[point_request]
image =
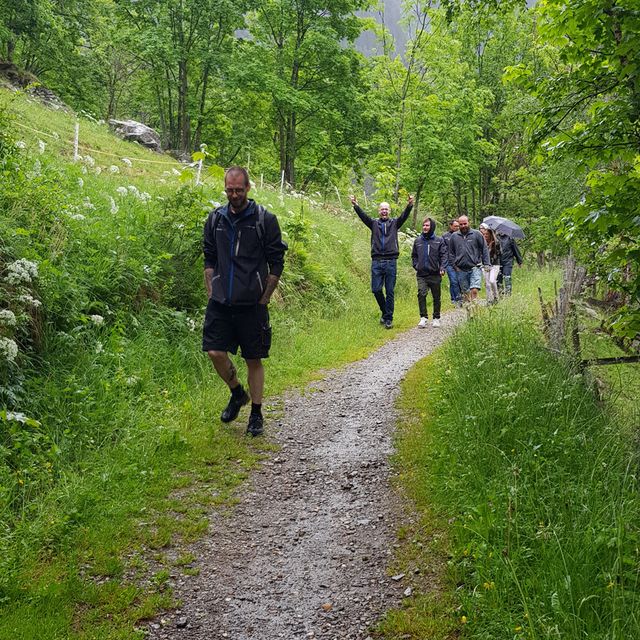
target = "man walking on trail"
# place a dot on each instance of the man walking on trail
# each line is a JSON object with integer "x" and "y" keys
{"x": 429, "y": 258}
{"x": 468, "y": 253}
{"x": 508, "y": 251}
{"x": 243, "y": 261}
{"x": 454, "y": 287}
{"x": 384, "y": 254}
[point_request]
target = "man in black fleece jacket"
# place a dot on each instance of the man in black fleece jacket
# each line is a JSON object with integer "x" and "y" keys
{"x": 384, "y": 254}
{"x": 430, "y": 260}
{"x": 243, "y": 260}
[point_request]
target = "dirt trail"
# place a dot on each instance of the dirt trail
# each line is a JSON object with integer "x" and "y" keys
{"x": 305, "y": 552}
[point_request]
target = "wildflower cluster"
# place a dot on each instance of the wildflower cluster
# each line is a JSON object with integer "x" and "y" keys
{"x": 16, "y": 282}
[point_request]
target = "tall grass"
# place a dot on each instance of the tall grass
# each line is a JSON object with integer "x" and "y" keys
{"x": 532, "y": 483}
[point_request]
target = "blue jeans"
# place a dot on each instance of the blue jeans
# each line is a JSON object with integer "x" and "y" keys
{"x": 454, "y": 287}
{"x": 383, "y": 273}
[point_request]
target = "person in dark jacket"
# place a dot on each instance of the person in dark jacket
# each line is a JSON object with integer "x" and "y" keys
{"x": 454, "y": 287}
{"x": 430, "y": 260}
{"x": 468, "y": 254}
{"x": 508, "y": 252}
{"x": 384, "y": 254}
{"x": 243, "y": 261}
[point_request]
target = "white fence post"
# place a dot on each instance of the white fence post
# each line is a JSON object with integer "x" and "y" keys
{"x": 76, "y": 141}
{"x": 338, "y": 194}
{"x": 199, "y": 172}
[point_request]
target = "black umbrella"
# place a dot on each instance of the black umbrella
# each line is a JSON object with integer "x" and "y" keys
{"x": 504, "y": 226}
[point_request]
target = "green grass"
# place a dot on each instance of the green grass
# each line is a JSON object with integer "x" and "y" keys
{"x": 526, "y": 489}
{"x": 99, "y": 498}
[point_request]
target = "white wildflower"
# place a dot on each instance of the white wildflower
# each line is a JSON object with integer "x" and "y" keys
{"x": 21, "y": 144}
{"x": 122, "y": 191}
{"x": 132, "y": 381}
{"x": 84, "y": 170}
{"x": 162, "y": 181}
{"x": 96, "y": 319}
{"x": 87, "y": 204}
{"x": 90, "y": 161}
{"x": 8, "y": 349}
{"x": 144, "y": 196}
{"x": 21, "y": 271}
{"x": 29, "y": 300}
{"x": 7, "y": 318}
{"x": 99, "y": 347}
{"x": 42, "y": 146}
{"x": 191, "y": 323}
{"x": 146, "y": 268}
{"x": 114, "y": 169}
{"x": 175, "y": 172}
{"x": 76, "y": 216}
{"x": 127, "y": 162}
{"x": 37, "y": 168}
{"x": 80, "y": 182}
{"x": 98, "y": 170}
{"x": 133, "y": 189}
{"x": 114, "y": 206}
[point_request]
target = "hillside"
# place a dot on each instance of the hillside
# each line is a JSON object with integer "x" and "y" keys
{"x": 110, "y": 404}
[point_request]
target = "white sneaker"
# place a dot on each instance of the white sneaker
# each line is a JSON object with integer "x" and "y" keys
{"x": 423, "y": 322}
{"x": 436, "y": 322}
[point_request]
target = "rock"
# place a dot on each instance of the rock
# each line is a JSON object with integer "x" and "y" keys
{"x": 408, "y": 591}
{"x": 137, "y": 132}
{"x": 181, "y": 623}
{"x": 327, "y": 606}
{"x": 397, "y": 577}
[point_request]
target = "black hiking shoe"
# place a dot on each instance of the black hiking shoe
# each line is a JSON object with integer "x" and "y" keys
{"x": 233, "y": 408}
{"x": 388, "y": 324}
{"x": 382, "y": 320}
{"x": 256, "y": 425}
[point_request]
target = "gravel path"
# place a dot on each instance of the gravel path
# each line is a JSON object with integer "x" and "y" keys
{"x": 304, "y": 554}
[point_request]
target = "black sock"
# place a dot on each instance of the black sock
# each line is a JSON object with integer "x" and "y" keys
{"x": 256, "y": 409}
{"x": 237, "y": 392}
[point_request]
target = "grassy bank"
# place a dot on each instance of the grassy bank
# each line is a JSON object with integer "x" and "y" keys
{"x": 526, "y": 489}
{"x": 111, "y": 448}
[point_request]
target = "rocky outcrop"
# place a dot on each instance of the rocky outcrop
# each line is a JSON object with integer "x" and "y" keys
{"x": 16, "y": 79}
{"x": 137, "y": 132}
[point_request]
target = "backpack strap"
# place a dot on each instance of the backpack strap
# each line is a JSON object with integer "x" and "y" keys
{"x": 260, "y": 232}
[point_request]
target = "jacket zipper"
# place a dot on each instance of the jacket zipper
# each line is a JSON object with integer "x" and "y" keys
{"x": 231, "y": 270}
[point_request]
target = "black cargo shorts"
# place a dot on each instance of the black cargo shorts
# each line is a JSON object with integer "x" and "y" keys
{"x": 228, "y": 327}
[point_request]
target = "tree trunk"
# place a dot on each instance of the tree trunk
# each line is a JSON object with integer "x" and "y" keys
{"x": 197, "y": 138}
{"x": 417, "y": 203}
{"x": 184, "y": 124}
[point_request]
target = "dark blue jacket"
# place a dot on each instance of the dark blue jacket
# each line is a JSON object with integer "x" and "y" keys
{"x": 430, "y": 254}
{"x": 240, "y": 254}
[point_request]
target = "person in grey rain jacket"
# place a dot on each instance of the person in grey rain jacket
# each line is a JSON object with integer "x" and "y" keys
{"x": 468, "y": 253}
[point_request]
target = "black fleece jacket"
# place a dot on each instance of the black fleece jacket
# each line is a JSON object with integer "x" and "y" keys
{"x": 240, "y": 259}
{"x": 384, "y": 234}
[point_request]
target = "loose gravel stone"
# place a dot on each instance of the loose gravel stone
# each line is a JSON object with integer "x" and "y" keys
{"x": 305, "y": 552}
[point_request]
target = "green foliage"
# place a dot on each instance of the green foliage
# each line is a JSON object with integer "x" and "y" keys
{"x": 588, "y": 111}
{"x": 534, "y": 482}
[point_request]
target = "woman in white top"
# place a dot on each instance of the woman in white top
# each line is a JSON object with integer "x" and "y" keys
{"x": 491, "y": 274}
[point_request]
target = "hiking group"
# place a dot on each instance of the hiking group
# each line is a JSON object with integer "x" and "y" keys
{"x": 244, "y": 258}
{"x": 463, "y": 253}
